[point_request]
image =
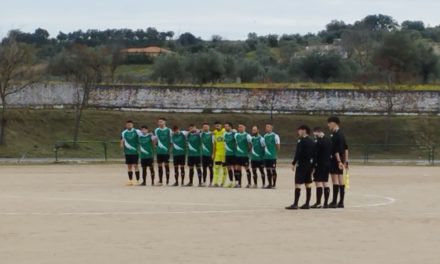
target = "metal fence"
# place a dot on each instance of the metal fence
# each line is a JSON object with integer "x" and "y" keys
{"x": 359, "y": 153}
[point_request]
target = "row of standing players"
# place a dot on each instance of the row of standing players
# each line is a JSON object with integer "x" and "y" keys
{"x": 225, "y": 152}
{"x": 222, "y": 153}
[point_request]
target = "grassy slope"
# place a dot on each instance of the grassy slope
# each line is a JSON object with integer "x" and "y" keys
{"x": 35, "y": 131}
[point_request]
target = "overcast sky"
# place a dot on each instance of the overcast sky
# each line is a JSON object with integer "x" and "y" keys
{"x": 232, "y": 19}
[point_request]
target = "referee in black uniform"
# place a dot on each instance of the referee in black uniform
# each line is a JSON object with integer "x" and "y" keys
{"x": 323, "y": 152}
{"x": 338, "y": 163}
{"x": 303, "y": 166}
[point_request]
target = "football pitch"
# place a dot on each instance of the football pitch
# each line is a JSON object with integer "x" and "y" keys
{"x": 85, "y": 214}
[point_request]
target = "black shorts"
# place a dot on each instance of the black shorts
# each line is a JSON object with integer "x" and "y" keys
{"x": 303, "y": 174}
{"x": 257, "y": 164}
{"x": 242, "y": 161}
{"x": 163, "y": 158}
{"x": 207, "y": 161}
{"x": 131, "y": 159}
{"x": 322, "y": 172}
{"x": 270, "y": 163}
{"x": 179, "y": 160}
{"x": 334, "y": 167}
{"x": 147, "y": 162}
{"x": 230, "y": 161}
{"x": 194, "y": 161}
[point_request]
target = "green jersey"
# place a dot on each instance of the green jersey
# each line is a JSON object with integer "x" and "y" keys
{"x": 271, "y": 140}
{"x": 257, "y": 148}
{"x": 230, "y": 143}
{"x": 242, "y": 144}
{"x": 179, "y": 143}
{"x": 194, "y": 144}
{"x": 163, "y": 136}
{"x": 131, "y": 141}
{"x": 207, "y": 143}
{"x": 146, "y": 142}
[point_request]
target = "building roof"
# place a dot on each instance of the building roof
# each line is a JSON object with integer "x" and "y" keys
{"x": 146, "y": 50}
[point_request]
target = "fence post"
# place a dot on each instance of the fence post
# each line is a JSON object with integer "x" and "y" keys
{"x": 365, "y": 153}
{"x": 105, "y": 150}
{"x": 56, "y": 152}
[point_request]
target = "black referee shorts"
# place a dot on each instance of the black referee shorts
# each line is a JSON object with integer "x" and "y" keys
{"x": 303, "y": 174}
{"x": 334, "y": 167}
{"x": 322, "y": 172}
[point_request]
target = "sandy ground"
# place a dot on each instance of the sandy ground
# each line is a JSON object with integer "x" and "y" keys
{"x": 85, "y": 214}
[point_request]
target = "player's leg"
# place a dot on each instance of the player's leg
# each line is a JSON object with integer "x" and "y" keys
{"x": 130, "y": 174}
{"x": 269, "y": 166}
{"x": 167, "y": 171}
{"x": 217, "y": 171}
{"x": 136, "y": 170}
{"x": 211, "y": 172}
{"x": 248, "y": 173}
{"x": 294, "y": 206}
{"x": 204, "y": 168}
{"x": 160, "y": 163}
{"x": 263, "y": 176}
{"x": 335, "y": 183}
{"x": 144, "y": 172}
{"x": 176, "y": 171}
{"x": 191, "y": 174}
{"x": 326, "y": 194}
{"x": 319, "y": 192}
{"x": 274, "y": 174}
{"x": 237, "y": 175}
{"x": 341, "y": 191}
{"x": 199, "y": 171}
{"x": 254, "y": 166}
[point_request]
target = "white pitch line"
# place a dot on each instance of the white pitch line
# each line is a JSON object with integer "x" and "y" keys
{"x": 389, "y": 201}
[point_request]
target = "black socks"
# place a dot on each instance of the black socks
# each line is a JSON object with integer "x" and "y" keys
{"x": 297, "y": 195}
{"x": 269, "y": 176}
{"x": 318, "y": 194}
{"x": 176, "y": 174}
{"x": 341, "y": 194}
{"x": 326, "y": 195}
{"x": 308, "y": 195}
{"x": 144, "y": 175}
{"x": 167, "y": 172}
{"x": 152, "y": 175}
{"x": 182, "y": 174}
{"x": 237, "y": 175}
{"x": 160, "y": 170}
{"x": 335, "y": 194}
{"x": 130, "y": 175}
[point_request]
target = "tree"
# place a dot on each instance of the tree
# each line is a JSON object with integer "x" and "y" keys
{"x": 206, "y": 67}
{"x": 250, "y": 70}
{"x": 413, "y": 25}
{"x": 116, "y": 58}
{"x": 168, "y": 68}
{"x": 85, "y": 67}
{"x": 17, "y": 72}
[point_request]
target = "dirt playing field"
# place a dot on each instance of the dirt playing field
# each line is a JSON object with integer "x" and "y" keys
{"x": 85, "y": 214}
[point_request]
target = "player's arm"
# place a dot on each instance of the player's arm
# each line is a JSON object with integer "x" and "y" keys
{"x": 297, "y": 154}
{"x": 278, "y": 142}
{"x": 121, "y": 143}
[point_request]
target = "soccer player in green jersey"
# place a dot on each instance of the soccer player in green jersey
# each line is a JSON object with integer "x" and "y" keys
{"x": 194, "y": 154}
{"x": 163, "y": 136}
{"x": 130, "y": 144}
{"x": 272, "y": 142}
{"x": 147, "y": 143}
{"x": 230, "y": 146}
{"x": 243, "y": 146}
{"x": 207, "y": 151}
{"x": 257, "y": 156}
{"x": 179, "y": 153}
